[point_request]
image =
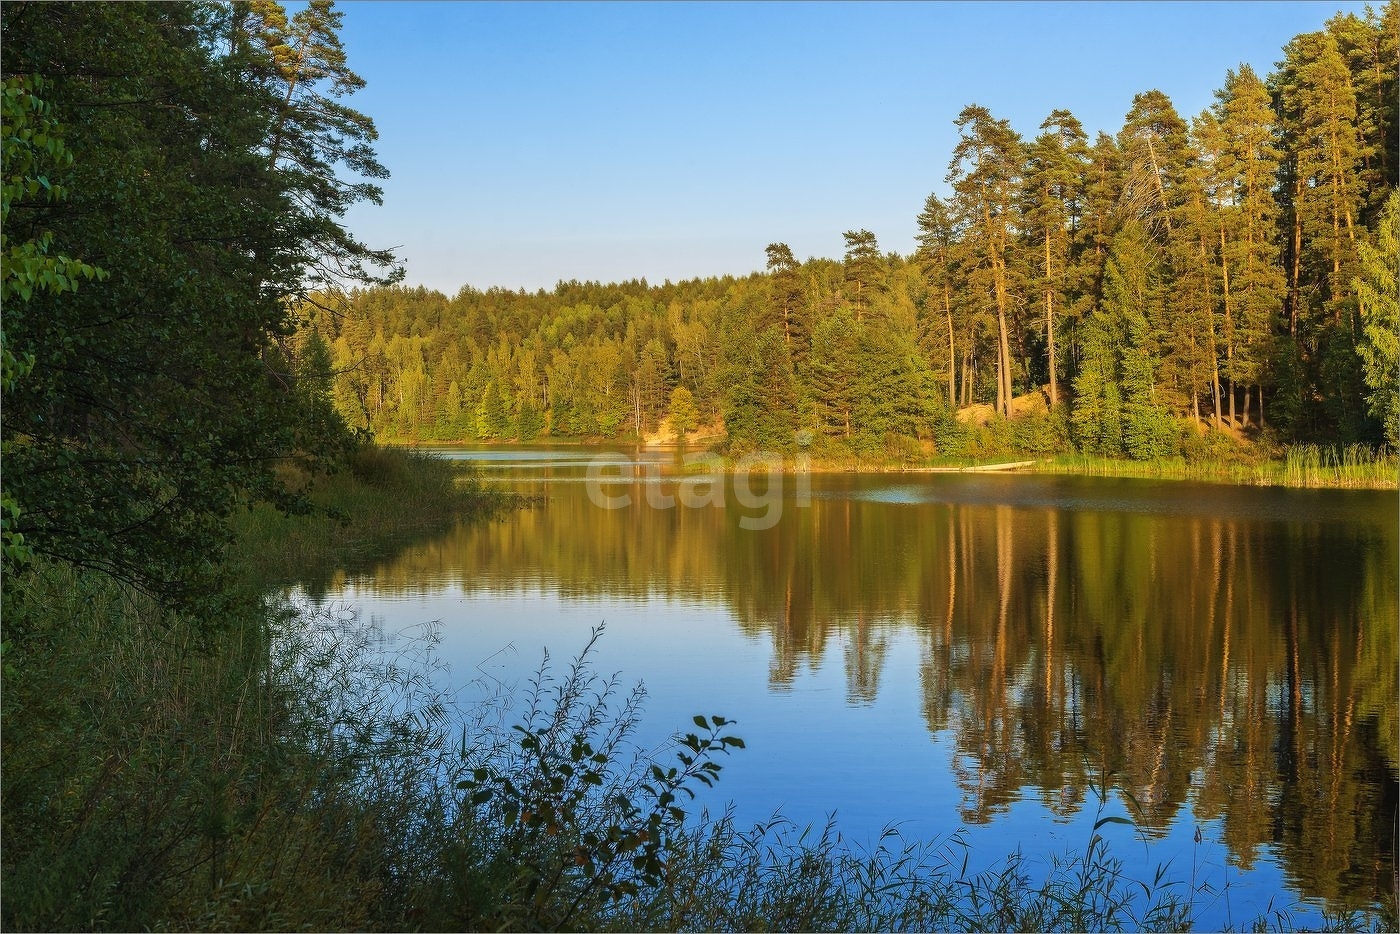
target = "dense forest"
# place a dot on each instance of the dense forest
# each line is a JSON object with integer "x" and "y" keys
{"x": 1153, "y": 293}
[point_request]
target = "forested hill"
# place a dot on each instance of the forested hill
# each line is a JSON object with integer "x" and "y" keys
{"x": 1230, "y": 270}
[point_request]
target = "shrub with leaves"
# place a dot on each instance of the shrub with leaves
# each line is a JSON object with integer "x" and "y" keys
{"x": 571, "y": 824}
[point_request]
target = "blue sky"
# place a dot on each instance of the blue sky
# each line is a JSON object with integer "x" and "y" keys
{"x": 534, "y": 142}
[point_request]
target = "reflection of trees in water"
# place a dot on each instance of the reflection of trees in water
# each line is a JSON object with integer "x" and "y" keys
{"x": 1244, "y": 668}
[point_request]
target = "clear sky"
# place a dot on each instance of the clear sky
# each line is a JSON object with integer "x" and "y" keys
{"x": 534, "y": 142}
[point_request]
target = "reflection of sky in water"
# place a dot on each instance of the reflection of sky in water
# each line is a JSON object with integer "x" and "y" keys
{"x": 1178, "y": 498}
{"x": 813, "y": 746}
{"x": 800, "y": 760}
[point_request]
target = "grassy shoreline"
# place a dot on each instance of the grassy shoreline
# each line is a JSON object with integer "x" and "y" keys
{"x": 1301, "y": 466}
{"x": 382, "y": 501}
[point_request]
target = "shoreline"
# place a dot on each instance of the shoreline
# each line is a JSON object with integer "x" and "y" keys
{"x": 1305, "y": 467}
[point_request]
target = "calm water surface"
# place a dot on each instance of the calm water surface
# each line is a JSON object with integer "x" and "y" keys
{"x": 977, "y": 651}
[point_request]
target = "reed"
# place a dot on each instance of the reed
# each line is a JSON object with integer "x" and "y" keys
{"x": 1303, "y": 466}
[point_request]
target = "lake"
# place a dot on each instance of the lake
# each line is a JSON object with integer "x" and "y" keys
{"x": 977, "y": 651}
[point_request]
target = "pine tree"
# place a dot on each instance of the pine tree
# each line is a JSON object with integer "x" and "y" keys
{"x": 787, "y": 298}
{"x": 1162, "y": 192}
{"x": 1370, "y": 45}
{"x": 1244, "y": 160}
{"x": 1321, "y": 181}
{"x": 1199, "y": 316}
{"x": 314, "y": 139}
{"x": 985, "y": 175}
{"x": 864, "y": 270}
{"x": 1317, "y": 106}
{"x": 1154, "y": 146}
{"x": 1051, "y": 208}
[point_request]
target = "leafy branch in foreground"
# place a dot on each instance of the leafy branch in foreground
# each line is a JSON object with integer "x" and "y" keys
{"x": 578, "y": 832}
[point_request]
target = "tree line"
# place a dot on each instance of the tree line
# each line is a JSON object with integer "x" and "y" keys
{"x": 1227, "y": 273}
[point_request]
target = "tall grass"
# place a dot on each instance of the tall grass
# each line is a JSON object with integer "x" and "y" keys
{"x": 1351, "y": 467}
{"x": 383, "y": 500}
{"x": 157, "y": 776}
{"x": 1302, "y": 466}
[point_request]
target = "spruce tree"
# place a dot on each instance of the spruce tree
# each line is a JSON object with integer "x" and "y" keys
{"x": 1379, "y": 347}
{"x": 833, "y": 372}
{"x": 761, "y": 395}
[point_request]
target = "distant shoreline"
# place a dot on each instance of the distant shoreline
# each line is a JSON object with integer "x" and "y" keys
{"x": 1304, "y": 467}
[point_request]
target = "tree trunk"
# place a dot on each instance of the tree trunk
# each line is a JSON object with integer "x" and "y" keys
{"x": 952, "y": 353}
{"x": 1215, "y": 388}
{"x": 1001, "y": 384}
{"x": 1195, "y": 391}
{"x": 1003, "y": 351}
{"x": 1229, "y": 322}
{"x": 1295, "y": 260}
{"x": 1050, "y": 323}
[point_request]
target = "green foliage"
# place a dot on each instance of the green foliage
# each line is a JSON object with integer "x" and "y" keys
{"x": 864, "y": 272}
{"x": 761, "y": 395}
{"x": 570, "y": 833}
{"x": 162, "y": 398}
{"x": 312, "y": 137}
{"x": 684, "y": 414}
{"x": 32, "y": 147}
{"x": 1380, "y": 316}
{"x": 1041, "y": 434}
{"x": 1116, "y": 410}
{"x": 529, "y": 422}
{"x": 1013, "y": 285}
{"x": 992, "y": 440}
{"x": 491, "y": 420}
